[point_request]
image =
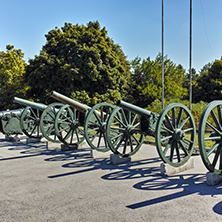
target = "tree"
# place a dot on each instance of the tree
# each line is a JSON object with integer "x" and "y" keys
{"x": 12, "y": 68}
{"x": 80, "y": 62}
{"x": 186, "y": 83}
{"x": 194, "y": 77}
{"x": 147, "y": 80}
{"x": 206, "y": 68}
{"x": 209, "y": 84}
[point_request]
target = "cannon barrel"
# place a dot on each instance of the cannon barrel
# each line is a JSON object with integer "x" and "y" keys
{"x": 66, "y": 100}
{"x": 133, "y": 108}
{"x": 25, "y": 102}
{"x": 74, "y": 104}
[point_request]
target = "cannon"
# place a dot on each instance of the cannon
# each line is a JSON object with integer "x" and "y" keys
{"x": 37, "y": 119}
{"x": 174, "y": 131}
{"x": 210, "y": 136}
{"x": 76, "y": 121}
{"x": 10, "y": 122}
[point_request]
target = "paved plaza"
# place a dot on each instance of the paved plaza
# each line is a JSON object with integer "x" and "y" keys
{"x": 41, "y": 183}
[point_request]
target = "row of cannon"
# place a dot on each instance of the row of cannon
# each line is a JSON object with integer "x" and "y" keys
{"x": 121, "y": 128}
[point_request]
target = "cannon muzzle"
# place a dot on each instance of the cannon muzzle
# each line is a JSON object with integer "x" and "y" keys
{"x": 133, "y": 108}
{"x": 25, "y": 102}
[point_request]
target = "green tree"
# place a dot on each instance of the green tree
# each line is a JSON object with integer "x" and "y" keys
{"x": 209, "y": 84}
{"x": 80, "y": 62}
{"x": 12, "y": 68}
{"x": 147, "y": 80}
{"x": 206, "y": 68}
{"x": 186, "y": 83}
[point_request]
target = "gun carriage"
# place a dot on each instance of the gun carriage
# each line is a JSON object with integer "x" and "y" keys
{"x": 174, "y": 131}
{"x": 76, "y": 121}
{"x": 10, "y": 122}
{"x": 37, "y": 119}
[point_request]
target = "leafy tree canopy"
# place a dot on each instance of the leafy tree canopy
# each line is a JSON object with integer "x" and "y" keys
{"x": 147, "y": 80}
{"x": 80, "y": 62}
{"x": 12, "y": 68}
{"x": 209, "y": 84}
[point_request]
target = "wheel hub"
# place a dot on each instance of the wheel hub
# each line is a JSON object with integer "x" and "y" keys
{"x": 128, "y": 130}
{"x": 37, "y": 121}
{"x": 102, "y": 127}
{"x": 74, "y": 125}
{"x": 179, "y": 134}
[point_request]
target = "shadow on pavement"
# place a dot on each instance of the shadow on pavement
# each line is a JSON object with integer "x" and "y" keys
{"x": 103, "y": 164}
{"x": 190, "y": 183}
{"x": 218, "y": 208}
{"x": 40, "y": 148}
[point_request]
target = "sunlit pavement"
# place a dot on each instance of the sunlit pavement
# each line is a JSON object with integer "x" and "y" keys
{"x": 45, "y": 184}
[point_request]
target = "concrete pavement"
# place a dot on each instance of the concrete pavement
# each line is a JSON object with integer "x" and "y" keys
{"x": 49, "y": 185}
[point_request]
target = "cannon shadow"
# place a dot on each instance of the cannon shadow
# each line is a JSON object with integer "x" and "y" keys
{"x": 40, "y": 148}
{"x": 189, "y": 183}
{"x": 104, "y": 164}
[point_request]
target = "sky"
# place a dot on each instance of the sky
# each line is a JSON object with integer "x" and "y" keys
{"x": 136, "y": 25}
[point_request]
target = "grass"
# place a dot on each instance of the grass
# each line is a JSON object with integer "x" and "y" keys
{"x": 208, "y": 143}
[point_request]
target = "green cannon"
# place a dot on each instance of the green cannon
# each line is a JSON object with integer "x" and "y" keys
{"x": 37, "y": 119}
{"x": 76, "y": 121}
{"x": 174, "y": 131}
{"x": 210, "y": 136}
{"x": 10, "y": 122}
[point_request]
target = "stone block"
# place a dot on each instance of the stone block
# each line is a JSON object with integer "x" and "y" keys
{"x": 213, "y": 179}
{"x": 33, "y": 140}
{"x": 65, "y": 147}
{"x": 115, "y": 159}
{"x": 167, "y": 170}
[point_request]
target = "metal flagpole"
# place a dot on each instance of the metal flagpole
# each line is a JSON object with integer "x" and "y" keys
{"x": 190, "y": 66}
{"x": 162, "y": 54}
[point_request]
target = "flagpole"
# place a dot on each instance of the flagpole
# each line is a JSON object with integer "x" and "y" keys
{"x": 190, "y": 65}
{"x": 162, "y": 54}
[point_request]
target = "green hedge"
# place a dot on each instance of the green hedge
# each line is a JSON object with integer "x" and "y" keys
{"x": 197, "y": 108}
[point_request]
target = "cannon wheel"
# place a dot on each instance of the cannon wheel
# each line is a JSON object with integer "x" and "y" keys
{"x": 95, "y": 126}
{"x": 210, "y": 137}
{"x": 68, "y": 127}
{"x": 123, "y": 132}
{"x": 175, "y": 134}
{"x": 47, "y": 122}
{"x": 30, "y": 121}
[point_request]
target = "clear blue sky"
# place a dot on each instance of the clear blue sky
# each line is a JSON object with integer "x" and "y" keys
{"x": 133, "y": 24}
